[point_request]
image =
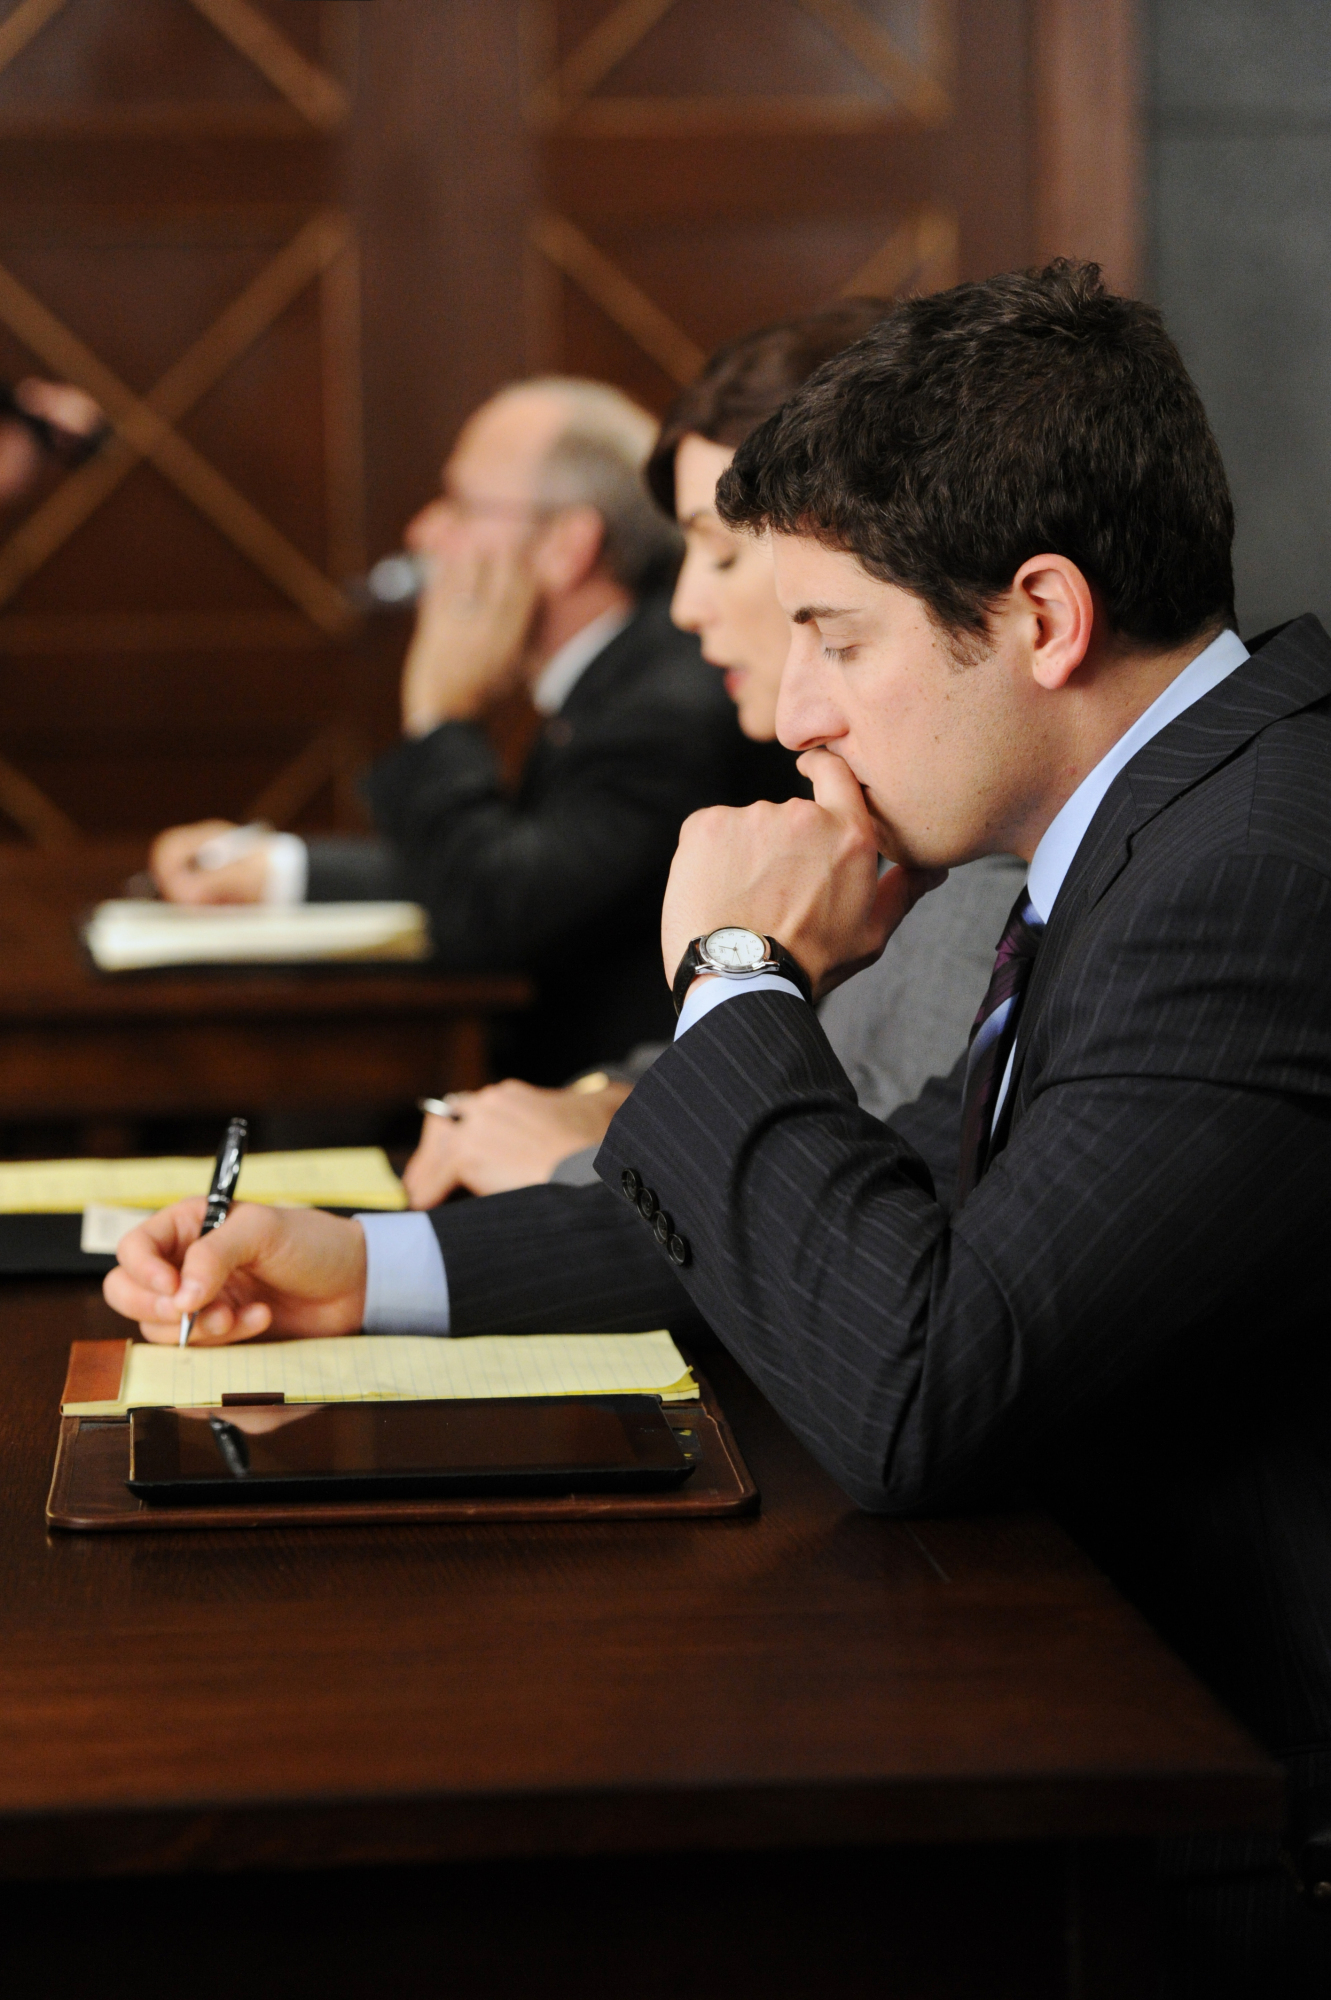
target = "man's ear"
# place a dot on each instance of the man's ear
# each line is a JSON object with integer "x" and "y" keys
{"x": 1055, "y": 602}
{"x": 568, "y": 549}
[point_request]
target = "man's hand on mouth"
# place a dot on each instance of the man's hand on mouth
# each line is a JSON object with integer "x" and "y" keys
{"x": 805, "y": 873}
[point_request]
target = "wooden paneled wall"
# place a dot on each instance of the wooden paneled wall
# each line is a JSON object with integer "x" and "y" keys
{"x": 289, "y": 243}
{"x": 705, "y": 170}
{"x": 282, "y": 241}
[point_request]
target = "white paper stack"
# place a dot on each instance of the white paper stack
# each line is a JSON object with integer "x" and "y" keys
{"x": 128, "y": 936}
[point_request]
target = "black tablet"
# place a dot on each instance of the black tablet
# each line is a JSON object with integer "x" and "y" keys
{"x": 379, "y": 1451}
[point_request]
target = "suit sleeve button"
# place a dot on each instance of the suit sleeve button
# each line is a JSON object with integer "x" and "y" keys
{"x": 663, "y": 1228}
{"x": 647, "y": 1204}
{"x": 630, "y": 1183}
{"x": 678, "y": 1250}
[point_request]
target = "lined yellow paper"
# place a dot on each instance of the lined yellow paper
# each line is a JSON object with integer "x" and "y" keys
{"x": 338, "y": 1177}
{"x": 401, "y": 1367}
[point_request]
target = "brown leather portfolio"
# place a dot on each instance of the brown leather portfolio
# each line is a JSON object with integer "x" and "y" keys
{"x": 88, "y": 1489}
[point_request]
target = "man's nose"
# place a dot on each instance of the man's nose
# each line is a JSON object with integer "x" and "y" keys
{"x": 804, "y": 715}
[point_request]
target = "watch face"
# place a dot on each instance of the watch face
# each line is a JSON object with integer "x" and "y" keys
{"x": 734, "y": 950}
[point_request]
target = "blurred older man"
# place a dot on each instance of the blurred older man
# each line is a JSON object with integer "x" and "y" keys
{"x": 549, "y": 568}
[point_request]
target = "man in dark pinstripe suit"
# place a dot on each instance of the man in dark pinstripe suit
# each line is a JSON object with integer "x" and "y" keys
{"x": 1127, "y": 1312}
{"x": 1092, "y": 1265}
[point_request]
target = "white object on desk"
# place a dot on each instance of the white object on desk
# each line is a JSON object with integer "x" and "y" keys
{"x": 131, "y": 936}
{"x": 104, "y": 1226}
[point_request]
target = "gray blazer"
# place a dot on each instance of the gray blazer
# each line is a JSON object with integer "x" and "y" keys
{"x": 908, "y": 1017}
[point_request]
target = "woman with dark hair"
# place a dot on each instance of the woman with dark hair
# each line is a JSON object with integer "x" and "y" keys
{"x": 903, "y": 1020}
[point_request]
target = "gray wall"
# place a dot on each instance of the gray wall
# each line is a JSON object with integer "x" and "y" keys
{"x": 1239, "y": 235}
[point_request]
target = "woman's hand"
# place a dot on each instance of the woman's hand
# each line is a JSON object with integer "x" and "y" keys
{"x": 509, "y": 1135}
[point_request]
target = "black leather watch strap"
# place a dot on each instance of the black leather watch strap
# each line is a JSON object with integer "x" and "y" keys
{"x": 780, "y": 962}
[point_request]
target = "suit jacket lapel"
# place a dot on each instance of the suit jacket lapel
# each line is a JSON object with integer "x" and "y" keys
{"x": 1291, "y": 671}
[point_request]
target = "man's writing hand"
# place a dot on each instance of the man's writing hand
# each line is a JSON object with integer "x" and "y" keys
{"x": 172, "y": 860}
{"x": 509, "y": 1135}
{"x": 294, "y": 1271}
{"x": 471, "y": 634}
{"x": 804, "y": 873}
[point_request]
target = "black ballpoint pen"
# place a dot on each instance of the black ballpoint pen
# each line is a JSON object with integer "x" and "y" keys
{"x": 226, "y": 1172}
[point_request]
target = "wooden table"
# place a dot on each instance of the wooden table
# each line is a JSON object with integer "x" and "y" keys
{"x": 76, "y": 1043}
{"x": 809, "y": 1752}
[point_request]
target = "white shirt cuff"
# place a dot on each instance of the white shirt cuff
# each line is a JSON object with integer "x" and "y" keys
{"x": 704, "y": 994}
{"x": 406, "y": 1285}
{"x": 288, "y": 869}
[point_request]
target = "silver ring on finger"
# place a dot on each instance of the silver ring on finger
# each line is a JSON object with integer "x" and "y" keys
{"x": 450, "y": 1105}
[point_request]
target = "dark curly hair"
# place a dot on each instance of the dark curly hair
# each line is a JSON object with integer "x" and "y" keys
{"x": 969, "y": 430}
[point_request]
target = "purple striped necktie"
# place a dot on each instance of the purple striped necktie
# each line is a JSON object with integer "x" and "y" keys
{"x": 992, "y": 1037}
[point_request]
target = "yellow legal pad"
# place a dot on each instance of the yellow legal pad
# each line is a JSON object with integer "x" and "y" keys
{"x": 401, "y": 1368}
{"x": 339, "y": 1177}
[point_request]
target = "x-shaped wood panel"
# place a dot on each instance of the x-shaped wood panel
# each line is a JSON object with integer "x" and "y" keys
{"x": 318, "y": 97}
{"x": 622, "y": 301}
{"x": 145, "y": 426}
{"x": 562, "y": 97}
{"x": 919, "y": 256}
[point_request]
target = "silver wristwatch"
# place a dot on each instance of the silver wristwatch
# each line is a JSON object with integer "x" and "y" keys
{"x": 734, "y": 950}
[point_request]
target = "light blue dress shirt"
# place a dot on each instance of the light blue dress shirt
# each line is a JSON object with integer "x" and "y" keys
{"x": 406, "y": 1283}
{"x": 704, "y": 994}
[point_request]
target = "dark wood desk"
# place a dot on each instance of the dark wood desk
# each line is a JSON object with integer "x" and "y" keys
{"x": 75, "y": 1044}
{"x": 812, "y": 1751}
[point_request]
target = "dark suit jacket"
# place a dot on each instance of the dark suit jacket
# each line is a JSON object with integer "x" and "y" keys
{"x": 565, "y": 880}
{"x": 1128, "y": 1317}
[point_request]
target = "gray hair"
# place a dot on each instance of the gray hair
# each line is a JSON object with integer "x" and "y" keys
{"x": 597, "y": 461}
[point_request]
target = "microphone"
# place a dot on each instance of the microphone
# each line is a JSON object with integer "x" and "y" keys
{"x": 394, "y": 583}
